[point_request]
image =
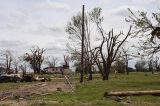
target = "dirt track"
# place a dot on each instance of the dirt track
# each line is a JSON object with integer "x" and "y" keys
{"x": 37, "y": 88}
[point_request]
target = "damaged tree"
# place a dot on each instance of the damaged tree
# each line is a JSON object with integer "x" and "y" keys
{"x": 74, "y": 29}
{"x": 35, "y": 59}
{"x": 126, "y": 58}
{"x": 146, "y": 28}
{"x": 8, "y": 58}
{"x": 110, "y": 43}
{"x": 52, "y": 61}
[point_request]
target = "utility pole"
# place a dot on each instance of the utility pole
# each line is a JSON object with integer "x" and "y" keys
{"x": 82, "y": 48}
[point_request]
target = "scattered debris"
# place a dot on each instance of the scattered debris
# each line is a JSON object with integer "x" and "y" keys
{"x": 119, "y": 99}
{"x": 4, "y": 78}
{"x": 59, "y": 89}
{"x": 10, "y": 78}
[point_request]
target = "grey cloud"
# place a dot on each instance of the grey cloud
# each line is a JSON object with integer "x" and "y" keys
{"x": 123, "y": 10}
{"x": 55, "y": 29}
{"x": 55, "y": 48}
{"x": 146, "y": 2}
{"x": 52, "y": 5}
{"x": 45, "y": 30}
{"x": 10, "y": 43}
{"x": 14, "y": 19}
{"x": 14, "y": 45}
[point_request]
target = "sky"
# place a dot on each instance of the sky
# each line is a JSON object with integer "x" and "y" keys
{"x": 27, "y": 23}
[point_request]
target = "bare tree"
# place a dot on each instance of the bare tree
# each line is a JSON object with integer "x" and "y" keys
{"x": 16, "y": 64}
{"x": 119, "y": 65}
{"x": 23, "y": 65}
{"x": 8, "y": 58}
{"x": 35, "y": 58}
{"x": 126, "y": 57}
{"x": 157, "y": 64}
{"x": 140, "y": 65}
{"x": 150, "y": 65}
{"x": 66, "y": 60}
{"x": 51, "y": 61}
{"x": 23, "y": 68}
{"x": 112, "y": 41}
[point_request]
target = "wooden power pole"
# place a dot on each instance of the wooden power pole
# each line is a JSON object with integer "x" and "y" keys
{"x": 82, "y": 49}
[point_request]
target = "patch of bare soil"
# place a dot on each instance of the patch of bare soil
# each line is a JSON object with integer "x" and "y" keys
{"x": 42, "y": 87}
{"x": 25, "y": 91}
{"x": 25, "y": 102}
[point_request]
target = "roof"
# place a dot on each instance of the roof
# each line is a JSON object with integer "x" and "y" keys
{"x": 53, "y": 67}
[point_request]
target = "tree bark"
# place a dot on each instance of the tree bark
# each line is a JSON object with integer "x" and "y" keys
{"x": 107, "y": 68}
{"x": 90, "y": 73}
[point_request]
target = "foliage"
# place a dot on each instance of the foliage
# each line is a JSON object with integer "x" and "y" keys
{"x": 147, "y": 30}
{"x": 140, "y": 66}
{"x": 119, "y": 65}
{"x": 74, "y": 29}
{"x": 35, "y": 58}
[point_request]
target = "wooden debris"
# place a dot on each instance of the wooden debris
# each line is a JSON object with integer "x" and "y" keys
{"x": 4, "y": 98}
{"x": 41, "y": 94}
{"x": 59, "y": 89}
{"x": 119, "y": 99}
{"x": 70, "y": 84}
{"x": 133, "y": 93}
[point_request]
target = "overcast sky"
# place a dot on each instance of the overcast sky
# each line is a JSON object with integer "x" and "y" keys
{"x": 24, "y": 23}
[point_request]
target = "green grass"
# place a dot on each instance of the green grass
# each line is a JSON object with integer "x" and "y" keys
{"x": 90, "y": 93}
{"x": 7, "y": 86}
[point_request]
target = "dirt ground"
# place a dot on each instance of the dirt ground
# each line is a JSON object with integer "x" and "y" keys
{"x": 20, "y": 93}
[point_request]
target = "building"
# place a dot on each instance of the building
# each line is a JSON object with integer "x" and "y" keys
{"x": 58, "y": 70}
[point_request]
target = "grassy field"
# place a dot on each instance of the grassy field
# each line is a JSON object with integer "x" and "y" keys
{"x": 90, "y": 93}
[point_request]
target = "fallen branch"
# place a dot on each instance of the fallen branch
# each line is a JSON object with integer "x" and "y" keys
{"x": 133, "y": 93}
{"x": 4, "y": 98}
{"x": 41, "y": 94}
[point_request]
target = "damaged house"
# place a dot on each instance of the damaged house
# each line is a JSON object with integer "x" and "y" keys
{"x": 58, "y": 70}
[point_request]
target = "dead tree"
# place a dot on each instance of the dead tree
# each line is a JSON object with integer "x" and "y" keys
{"x": 15, "y": 64}
{"x": 112, "y": 47}
{"x": 51, "y": 61}
{"x": 150, "y": 65}
{"x": 156, "y": 63}
{"x": 8, "y": 59}
{"x": 110, "y": 41}
{"x": 23, "y": 68}
{"x": 126, "y": 58}
{"x": 66, "y": 60}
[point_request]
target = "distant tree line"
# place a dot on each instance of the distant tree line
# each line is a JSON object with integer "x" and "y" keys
{"x": 33, "y": 60}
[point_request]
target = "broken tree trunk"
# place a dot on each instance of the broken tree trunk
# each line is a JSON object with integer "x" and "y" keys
{"x": 133, "y": 93}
